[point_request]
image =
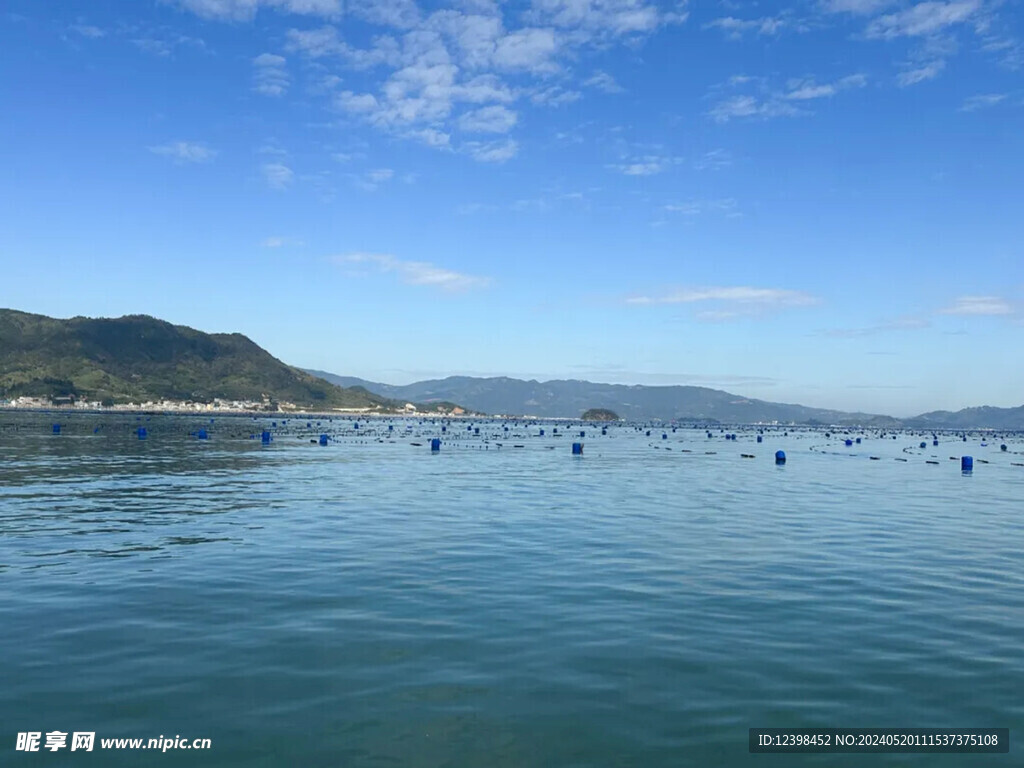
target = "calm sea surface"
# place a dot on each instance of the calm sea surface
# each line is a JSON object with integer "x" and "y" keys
{"x": 370, "y": 604}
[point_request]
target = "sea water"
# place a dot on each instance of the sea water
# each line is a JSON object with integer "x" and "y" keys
{"x": 371, "y": 603}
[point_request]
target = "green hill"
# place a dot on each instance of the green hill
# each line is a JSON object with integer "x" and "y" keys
{"x": 139, "y": 358}
{"x": 599, "y": 414}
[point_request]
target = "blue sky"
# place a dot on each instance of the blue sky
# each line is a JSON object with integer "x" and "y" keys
{"x": 814, "y": 202}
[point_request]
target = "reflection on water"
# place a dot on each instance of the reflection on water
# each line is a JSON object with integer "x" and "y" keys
{"x": 369, "y": 603}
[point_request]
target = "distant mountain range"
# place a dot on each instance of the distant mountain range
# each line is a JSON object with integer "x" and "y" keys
{"x": 139, "y": 358}
{"x": 570, "y": 398}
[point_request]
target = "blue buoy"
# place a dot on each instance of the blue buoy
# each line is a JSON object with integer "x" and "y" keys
{"x": 201, "y": 434}
{"x": 858, "y": 441}
{"x": 56, "y": 429}
{"x": 141, "y": 432}
{"x": 849, "y": 442}
{"x": 966, "y": 463}
{"x": 323, "y": 439}
{"x": 355, "y": 426}
{"x": 923, "y": 445}
{"x": 583, "y": 433}
{"x": 965, "y": 438}
{"x": 391, "y": 427}
{"x": 444, "y": 429}
{"x": 435, "y": 444}
{"x": 935, "y": 442}
{"x": 664, "y": 436}
{"x": 476, "y": 430}
{"x": 604, "y": 431}
{"x": 1002, "y": 447}
{"x": 541, "y": 433}
{"x": 780, "y": 457}
{"x": 648, "y": 433}
{"x": 265, "y": 437}
{"x": 760, "y": 439}
{"x": 577, "y": 449}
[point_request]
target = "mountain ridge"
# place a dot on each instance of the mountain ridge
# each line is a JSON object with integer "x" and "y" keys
{"x": 555, "y": 398}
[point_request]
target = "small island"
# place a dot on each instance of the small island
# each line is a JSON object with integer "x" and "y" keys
{"x": 600, "y": 414}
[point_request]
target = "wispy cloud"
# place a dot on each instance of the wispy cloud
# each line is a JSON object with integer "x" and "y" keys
{"x": 245, "y": 10}
{"x": 726, "y": 205}
{"x": 907, "y": 323}
{"x": 770, "y": 102}
{"x": 415, "y": 272}
{"x": 372, "y": 180}
{"x": 270, "y": 76}
{"x": 735, "y": 28}
{"x": 493, "y": 119}
{"x": 185, "y": 151}
{"x": 280, "y": 242}
{"x": 645, "y": 165}
{"x": 492, "y": 151}
{"x": 923, "y": 19}
{"x": 982, "y": 101}
{"x": 277, "y": 175}
{"x": 729, "y": 302}
{"x": 979, "y": 305}
{"x": 603, "y": 82}
{"x": 713, "y": 160}
{"x": 88, "y": 30}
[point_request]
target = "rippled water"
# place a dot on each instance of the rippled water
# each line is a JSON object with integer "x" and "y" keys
{"x": 370, "y": 604}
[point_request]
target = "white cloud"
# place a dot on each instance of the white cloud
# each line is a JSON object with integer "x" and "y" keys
{"x": 802, "y": 90}
{"x": 415, "y": 272}
{"x": 979, "y": 305}
{"x": 857, "y": 7}
{"x": 425, "y": 69}
{"x": 744, "y": 297}
{"x": 734, "y": 28}
{"x": 372, "y": 180}
{"x": 185, "y": 151}
{"x": 646, "y": 165}
{"x": 752, "y": 107}
{"x": 603, "y": 82}
{"x": 270, "y": 76}
{"x": 713, "y": 160}
{"x": 280, "y": 242}
{"x": 492, "y": 151}
{"x": 726, "y": 205}
{"x": 919, "y": 74}
{"x": 982, "y": 101}
{"x": 87, "y": 30}
{"x": 245, "y": 10}
{"x": 554, "y": 96}
{"x": 493, "y": 119}
{"x": 277, "y": 175}
{"x": 923, "y": 19}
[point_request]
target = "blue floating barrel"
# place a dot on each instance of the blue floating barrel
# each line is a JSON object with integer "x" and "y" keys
{"x": 966, "y": 463}
{"x": 201, "y": 434}
{"x": 391, "y": 427}
{"x": 1002, "y": 447}
{"x": 323, "y": 439}
{"x": 265, "y": 437}
{"x": 583, "y": 433}
{"x": 577, "y": 449}
{"x": 664, "y": 436}
{"x": 760, "y": 439}
{"x": 355, "y": 426}
{"x": 923, "y": 445}
{"x": 648, "y": 433}
{"x": 780, "y": 457}
{"x": 541, "y": 433}
{"x": 273, "y": 423}
{"x": 554, "y": 431}
{"x": 56, "y": 429}
{"x": 935, "y": 442}
{"x": 604, "y": 431}
{"x": 476, "y": 430}
{"x": 141, "y": 432}
{"x": 309, "y": 424}
{"x": 435, "y": 444}
{"x": 848, "y": 442}
{"x": 857, "y": 441}
{"x": 444, "y": 429}
{"x": 709, "y": 434}
{"x": 965, "y": 438}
